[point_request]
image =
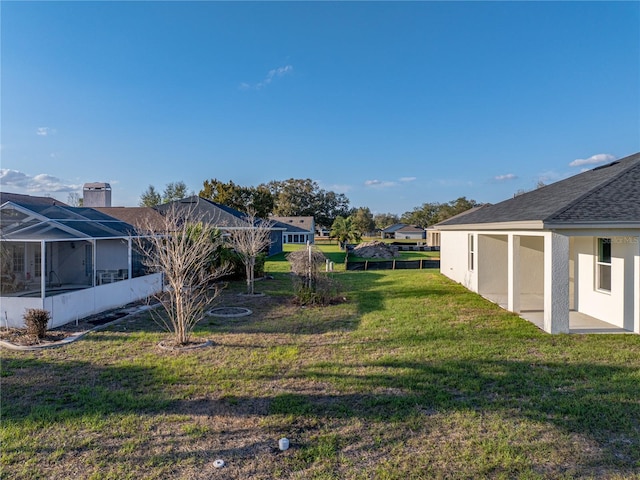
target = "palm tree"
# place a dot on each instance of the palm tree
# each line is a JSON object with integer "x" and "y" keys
{"x": 344, "y": 230}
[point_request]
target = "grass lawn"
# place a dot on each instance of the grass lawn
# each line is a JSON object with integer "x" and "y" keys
{"x": 413, "y": 377}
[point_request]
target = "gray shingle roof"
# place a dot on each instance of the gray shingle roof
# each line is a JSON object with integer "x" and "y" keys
{"x": 201, "y": 209}
{"x": 21, "y": 199}
{"x": 295, "y": 224}
{"x": 610, "y": 193}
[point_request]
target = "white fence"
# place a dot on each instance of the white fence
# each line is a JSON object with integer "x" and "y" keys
{"x": 71, "y": 306}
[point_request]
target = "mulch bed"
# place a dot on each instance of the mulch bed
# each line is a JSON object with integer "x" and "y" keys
{"x": 19, "y": 336}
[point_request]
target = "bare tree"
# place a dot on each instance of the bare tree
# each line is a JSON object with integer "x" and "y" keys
{"x": 185, "y": 251}
{"x": 74, "y": 199}
{"x": 249, "y": 241}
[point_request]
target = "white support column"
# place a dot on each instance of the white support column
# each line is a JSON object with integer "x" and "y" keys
{"x": 129, "y": 258}
{"x": 636, "y": 288}
{"x": 43, "y": 268}
{"x": 556, "y": 283}
{"x": 94, "y": 248}
{"x": 513, "y": 273}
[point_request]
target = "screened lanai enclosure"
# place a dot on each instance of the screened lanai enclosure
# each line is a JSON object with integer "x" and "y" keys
{"x": 73, "y": 262}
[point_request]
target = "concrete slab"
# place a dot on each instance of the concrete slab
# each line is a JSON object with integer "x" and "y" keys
{"x": 531, "y": 309}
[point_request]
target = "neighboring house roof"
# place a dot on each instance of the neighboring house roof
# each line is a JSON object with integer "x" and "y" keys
{"x": 296, "y": 224}
{"x": 142, "y": 218}
{"x": 410, "y": 229}
{"x": 394, "y": 228}
{"x": 58, "y": 222}
{"x": 201, "y": 209}
{"x": 402, "y": 227}
{"x": 606, "y": 194}
{"x": 21, "y": 199}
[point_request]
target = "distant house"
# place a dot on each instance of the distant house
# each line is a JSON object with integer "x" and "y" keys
{"x": 297, "y": 229}
{"x": 223, "y": 217}
{"x": 193, "y": 208}
{"x": 72, "y": 262}
{"x": 402, "y": 231}
{"x": 567, "y": 249}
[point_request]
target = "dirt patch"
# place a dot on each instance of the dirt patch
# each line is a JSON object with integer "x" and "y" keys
{"x": 375, "y": 249}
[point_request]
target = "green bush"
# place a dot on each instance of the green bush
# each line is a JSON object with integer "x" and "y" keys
{"x": 36, "y": 320}
{"x": 323, "y": 290}
{"x": 238, "y": 272}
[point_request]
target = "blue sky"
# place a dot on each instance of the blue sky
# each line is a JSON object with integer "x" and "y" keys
{"x": 393, "y": 104}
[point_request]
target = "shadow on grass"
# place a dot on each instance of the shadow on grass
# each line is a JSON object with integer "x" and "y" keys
{"x": 597, "y": 402}
{"x": 594, "y": 400}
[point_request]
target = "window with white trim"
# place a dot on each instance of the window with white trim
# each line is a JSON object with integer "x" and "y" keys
{"x": 603, "y": 265}
{"x": 472, "y": 252}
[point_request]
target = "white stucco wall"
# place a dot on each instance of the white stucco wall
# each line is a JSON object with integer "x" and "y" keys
{"x": 531, "y": 265}
{"x": 492, "y": 264}
{"x": 618, "y": 306}
{"x": 454, "y": 259}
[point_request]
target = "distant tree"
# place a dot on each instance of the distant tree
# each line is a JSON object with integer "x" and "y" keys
{"x": 329, "y": 206}
{"x": 384, "y": 220}
{"x": 304, "y": 197}
{"x": 174, "y": 191}
{"x": 293, "y": 197}
{"x": 363, "y": 220}
{"x": 454, "y": 207}
{"x": 432, "y": 213}
{"x": 344, "y": 230}
{"x": 423, "y": 216}
{"x": 74, "y": 199}
{"x": 245, "y": 199}
{"x": 150, "y": 197}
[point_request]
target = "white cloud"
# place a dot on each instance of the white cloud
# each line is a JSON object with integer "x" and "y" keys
{"x": 505, "y": 177}
{"x": 593, "y": 160}
{"x": 271, "y": 75}
{"x": 45, "y": 131}
{"x": 337, "y": 188}
{"x": 41, "y": 183}
{"x": 379, "y": 184}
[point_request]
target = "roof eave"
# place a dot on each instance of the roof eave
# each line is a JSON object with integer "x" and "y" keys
{"x": 517, "y": 225}
{"x": 609, "y": 225}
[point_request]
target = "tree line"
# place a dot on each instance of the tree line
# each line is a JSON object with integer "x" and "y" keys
{"x": 304, "y": 197}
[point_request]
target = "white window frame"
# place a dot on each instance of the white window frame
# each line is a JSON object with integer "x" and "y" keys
{"x": 602, "y": 265}
{"x": 471, "y": 244}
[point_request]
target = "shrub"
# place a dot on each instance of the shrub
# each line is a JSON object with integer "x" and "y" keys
{"x": 324, "y": 290}
{"x": 311, "y": 287}
{"x": 37, "y": 320}
{"x": 237, "y": 269}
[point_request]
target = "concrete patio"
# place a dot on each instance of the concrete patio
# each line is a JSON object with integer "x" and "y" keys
{"x": 531, "y": 309}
